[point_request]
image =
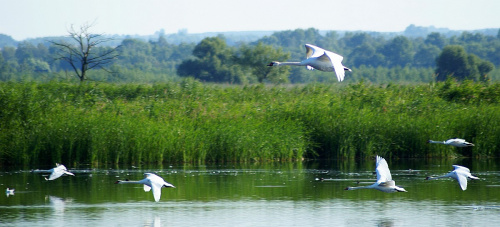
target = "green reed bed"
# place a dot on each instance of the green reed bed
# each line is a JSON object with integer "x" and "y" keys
{"x": 193, "y": 122}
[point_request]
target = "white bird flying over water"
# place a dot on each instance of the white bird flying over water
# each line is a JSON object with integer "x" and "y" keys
{"x": 152, "y": 181}
{"x": 460, "y": 174}
{"x": 320, "y": 59}
{"x": 454, "y": 142}
{"x": 384, "y": 179}
{"x": 58, "y": 171}
{"x": 9, "y": 192}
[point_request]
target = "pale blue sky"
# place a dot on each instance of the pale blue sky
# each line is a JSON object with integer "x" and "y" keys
{"x": 23, "y": 19}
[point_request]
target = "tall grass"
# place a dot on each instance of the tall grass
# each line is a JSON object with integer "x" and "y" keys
{"x": 194, "y": 122}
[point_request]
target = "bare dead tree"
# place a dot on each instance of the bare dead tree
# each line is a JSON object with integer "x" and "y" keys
{"x": 81, "y": 53}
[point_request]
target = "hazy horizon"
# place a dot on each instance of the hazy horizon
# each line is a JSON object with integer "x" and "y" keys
{"x": 35, "y": 19}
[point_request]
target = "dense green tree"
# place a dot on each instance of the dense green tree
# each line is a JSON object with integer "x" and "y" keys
{"x": 398, "y": 51}
{"x": 484, "y": 67}
{"x": 136, "y": 53}
{"x": 9, "y": 53}
{"x": 6, "y": 40}
{"x": 214, "y": 62}
{"x": 455, "y": 62}
{"x": 426, "y": 56}
{"x": 255, "y": 59}
{"x": 24, "y": 51}
{"x": 354, "y": 40}
{"x": 367, "y": 55}
{"x": 435, "y": 39}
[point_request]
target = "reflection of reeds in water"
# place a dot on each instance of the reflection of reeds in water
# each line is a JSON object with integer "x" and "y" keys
{"x": 192, "y": 122}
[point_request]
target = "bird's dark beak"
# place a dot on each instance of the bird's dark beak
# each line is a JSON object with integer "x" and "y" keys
{"x": 270, "y": 64}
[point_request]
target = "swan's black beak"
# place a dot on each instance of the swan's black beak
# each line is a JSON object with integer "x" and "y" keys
{"x": 270, "y": 64}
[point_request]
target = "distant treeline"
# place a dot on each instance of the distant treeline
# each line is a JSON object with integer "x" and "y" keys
{"x": 100, "y": 123}
{"x": 373, "y": 57}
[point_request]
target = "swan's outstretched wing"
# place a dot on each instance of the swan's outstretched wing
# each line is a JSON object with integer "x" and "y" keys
{"x": 68, "y": 173}
{"x": 155, "y": 183}
{"x": 57, "y": 172}
{"x": 336, "y": 61}
{"x": 383, "y": 172}
{"x": 461, "y": 168}
{"x": 455, "y": 141}
{"x": 387, "y": 184}
{"x": 313, "y": 51}
{"x": 462, "y": 180}
{"x": 156, "y": 190}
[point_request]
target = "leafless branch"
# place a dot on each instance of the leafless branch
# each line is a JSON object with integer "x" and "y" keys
{"x": 83, "y": 54}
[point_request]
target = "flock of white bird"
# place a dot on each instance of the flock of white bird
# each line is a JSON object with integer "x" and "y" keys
{"x": 323, "y": 60}
{"x": 151, "y": 182}
{"x": 385, "y": 183}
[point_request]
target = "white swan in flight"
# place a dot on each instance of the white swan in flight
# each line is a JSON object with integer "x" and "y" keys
{"x": 320, "y": 59}
{"x": 9, "y": 192}
{"x": 152, "y": 181}
{"x": 58, "y": 171}
{"x": 454, "y": 142}
{"x": 460, "y": 174}
{"x": 384, "y": 180}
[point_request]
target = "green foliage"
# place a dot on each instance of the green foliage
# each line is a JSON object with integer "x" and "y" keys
{"x": 213, "y": 63}
{"x": 398, "y": 51}
{"x": 255, "y": 59}
{"x": 193, "y": 122}
{"x": 216, "y": 60}
{"x": 455, "y": 62}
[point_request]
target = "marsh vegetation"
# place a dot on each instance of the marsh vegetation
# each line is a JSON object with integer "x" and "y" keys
{"x": 191, "y": 122}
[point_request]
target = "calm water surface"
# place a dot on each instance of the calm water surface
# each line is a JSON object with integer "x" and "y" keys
{"x": 255, "y": 195}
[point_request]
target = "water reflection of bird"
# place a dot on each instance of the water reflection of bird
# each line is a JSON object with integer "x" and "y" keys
{"x": 456, "y": 142}
{"x": 384, "y": 179}
{"x": 58, "y": 204}
{"x": 9, "y": 192}
{"x": 58, "y": 171}
{"x": 320, "y": 59}
{"x": 152, "y": 181}
{"x": 460, "y": 174}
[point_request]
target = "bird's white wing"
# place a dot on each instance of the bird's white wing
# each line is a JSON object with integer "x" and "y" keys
{"x": 383, "y": 172}
{"x": 156, "y": 190}
{"x": 461, "y": 168}
{"x": 462, "y": 180}
{"x": 68, "y": 173}
{"x": 56, "y": 173}
{"x": 455, "y": 141}
{"x": 147, "y": 188}
{"x": 313, "y": 51}
{"x": 156, "y": 183}
{"x": 336, "y": 61}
